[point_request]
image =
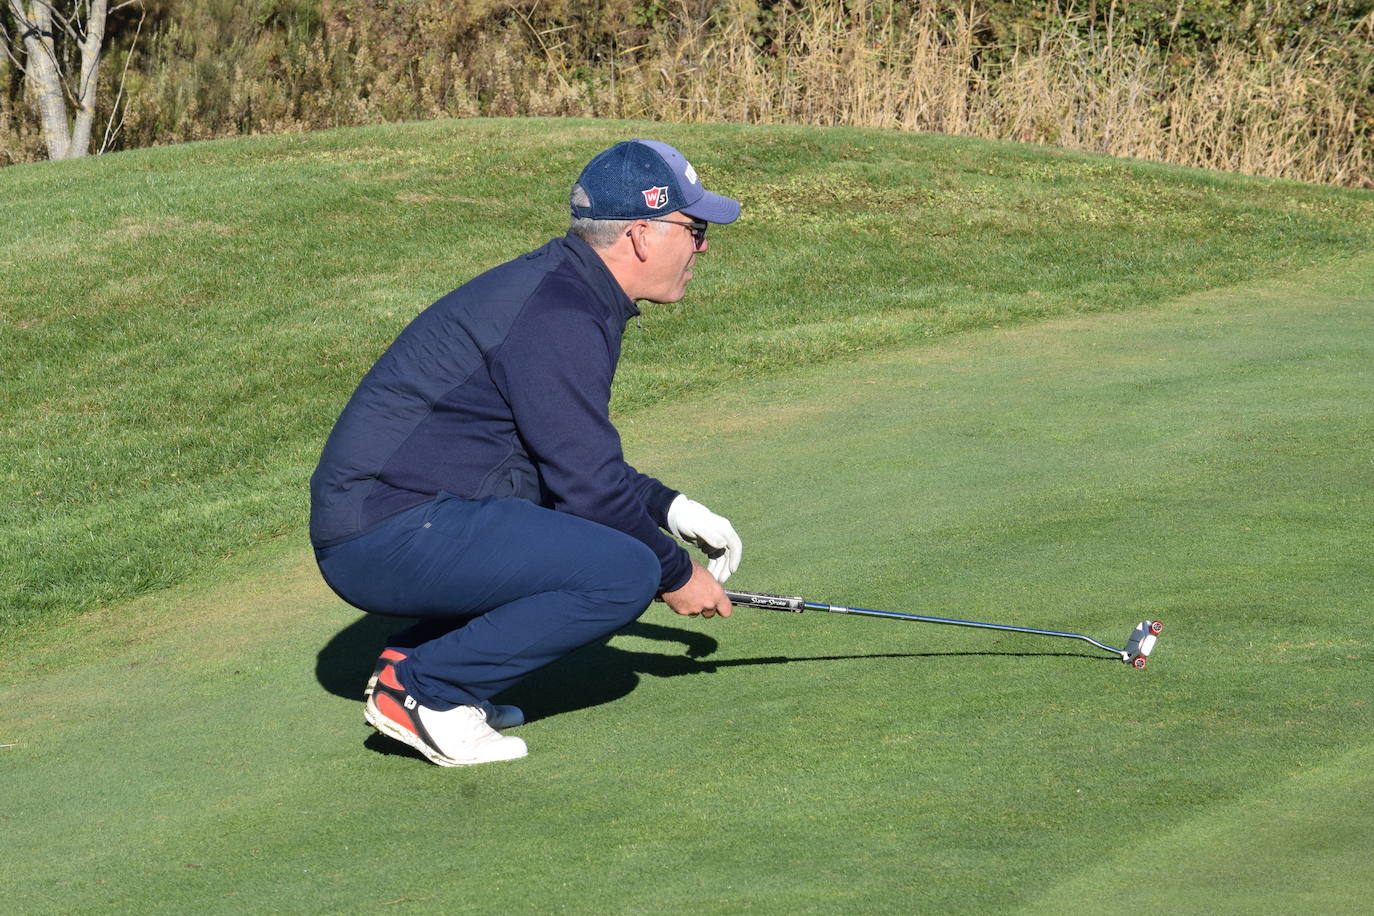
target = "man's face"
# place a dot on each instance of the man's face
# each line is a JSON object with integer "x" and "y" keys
{"x": 675, "y": 253}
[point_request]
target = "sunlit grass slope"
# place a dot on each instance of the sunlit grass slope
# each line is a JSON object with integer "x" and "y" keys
{"x": 1206, "y": 463}
{"x": 182, "y": 325}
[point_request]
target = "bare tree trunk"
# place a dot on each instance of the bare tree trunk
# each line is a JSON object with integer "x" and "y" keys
{"x": 45, "y": 81}
{"x": 91, "y": 47}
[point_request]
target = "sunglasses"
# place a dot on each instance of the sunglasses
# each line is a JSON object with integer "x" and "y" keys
{"x": 696, "y": 227}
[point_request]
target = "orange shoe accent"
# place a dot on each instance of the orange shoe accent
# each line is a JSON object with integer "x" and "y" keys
{"x": 388, "y": 677}
{"x": 393, "y": 711}
{"x": 393, "y": 655}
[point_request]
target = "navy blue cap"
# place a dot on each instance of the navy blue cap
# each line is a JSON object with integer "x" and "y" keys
{"x": 637, "y": 179}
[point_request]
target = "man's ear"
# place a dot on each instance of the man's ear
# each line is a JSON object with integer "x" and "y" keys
{"x": 639, "y": 238}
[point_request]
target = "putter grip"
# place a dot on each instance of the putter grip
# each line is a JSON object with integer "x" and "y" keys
{"x": 767, "y": 602}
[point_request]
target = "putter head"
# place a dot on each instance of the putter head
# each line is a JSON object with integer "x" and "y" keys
{"x": 1141, "y": 643}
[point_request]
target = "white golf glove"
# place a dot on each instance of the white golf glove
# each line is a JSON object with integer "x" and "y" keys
{"x": 693, "y": 522}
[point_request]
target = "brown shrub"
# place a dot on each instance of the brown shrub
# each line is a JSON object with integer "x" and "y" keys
{"x": 211, "y": 68}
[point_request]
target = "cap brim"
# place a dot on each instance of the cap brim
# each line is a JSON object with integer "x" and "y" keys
{"x": 714, "y": 208}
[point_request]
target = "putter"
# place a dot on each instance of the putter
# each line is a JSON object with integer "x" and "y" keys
{"x": 1139, "y": 644}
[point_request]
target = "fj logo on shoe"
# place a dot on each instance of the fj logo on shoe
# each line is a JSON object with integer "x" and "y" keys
{"x": 410, "y": 702}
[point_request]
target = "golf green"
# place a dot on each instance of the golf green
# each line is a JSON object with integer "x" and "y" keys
{"x": 1205, "y": 462}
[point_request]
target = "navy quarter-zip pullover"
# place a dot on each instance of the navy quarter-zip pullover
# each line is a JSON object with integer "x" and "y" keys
{"x": 501, "y": 388}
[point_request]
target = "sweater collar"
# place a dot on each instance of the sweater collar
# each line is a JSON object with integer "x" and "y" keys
{"x": 595, "y": 270}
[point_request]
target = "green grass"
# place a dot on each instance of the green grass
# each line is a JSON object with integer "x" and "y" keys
{"x": 1204, "y": 462}
{"x": 183, "y": 324}
{"x": 1300, "y": 845}
{"x": 943, "y": 392}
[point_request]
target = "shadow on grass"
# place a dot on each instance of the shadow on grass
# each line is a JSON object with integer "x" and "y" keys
{"x": 597, "y": 673}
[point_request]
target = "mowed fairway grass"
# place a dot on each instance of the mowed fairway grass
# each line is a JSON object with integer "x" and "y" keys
{"x": 990, "y": 383}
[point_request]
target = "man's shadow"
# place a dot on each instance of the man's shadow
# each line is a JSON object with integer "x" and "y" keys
{"x": 594, "y": 674}
{"x": 597, "y": 673}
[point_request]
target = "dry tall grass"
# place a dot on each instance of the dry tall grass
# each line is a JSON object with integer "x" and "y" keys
{"x": 1287, "y": 113}
{"x": 1294, "y": 109}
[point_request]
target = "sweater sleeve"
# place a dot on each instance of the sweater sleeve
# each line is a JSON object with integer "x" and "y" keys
{"x": 655, "y": 495}
{"x": 555, "y": 370}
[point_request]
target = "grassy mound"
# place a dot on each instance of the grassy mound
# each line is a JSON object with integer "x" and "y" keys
{"x": 184, "y": 324}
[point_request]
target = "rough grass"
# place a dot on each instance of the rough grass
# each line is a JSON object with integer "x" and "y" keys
{"x": 182, "y": 325}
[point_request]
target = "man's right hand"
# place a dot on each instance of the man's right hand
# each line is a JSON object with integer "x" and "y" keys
{"x": 701, "y": 594}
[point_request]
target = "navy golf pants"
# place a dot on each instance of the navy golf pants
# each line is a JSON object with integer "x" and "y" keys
{"x": 508, "y": 587}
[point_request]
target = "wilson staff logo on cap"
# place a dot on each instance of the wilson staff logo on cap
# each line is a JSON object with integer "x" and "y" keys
{"x": 657, "y": 198}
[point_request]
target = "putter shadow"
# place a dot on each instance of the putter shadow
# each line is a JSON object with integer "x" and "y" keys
{"x": 597, "y": 673}
{"x": 601, "y": 673}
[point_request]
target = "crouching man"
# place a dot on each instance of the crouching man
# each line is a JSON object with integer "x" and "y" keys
{"x": 475, "y": 479}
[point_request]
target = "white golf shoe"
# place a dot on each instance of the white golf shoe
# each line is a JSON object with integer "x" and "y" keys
{"x": 450, "y": 738}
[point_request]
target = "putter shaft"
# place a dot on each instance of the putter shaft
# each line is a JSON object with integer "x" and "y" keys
{"x": 797, "y": 605}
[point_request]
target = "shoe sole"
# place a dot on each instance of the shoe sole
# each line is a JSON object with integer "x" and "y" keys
{"x": 373, "y": 716}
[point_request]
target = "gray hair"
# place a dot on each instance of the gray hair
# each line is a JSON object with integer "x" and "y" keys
{"x": 598, "y": 233}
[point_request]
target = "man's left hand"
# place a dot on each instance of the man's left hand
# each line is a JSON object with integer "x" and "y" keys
{"x": 693, "y": 522}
